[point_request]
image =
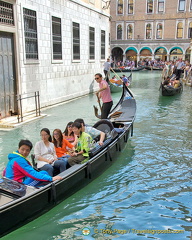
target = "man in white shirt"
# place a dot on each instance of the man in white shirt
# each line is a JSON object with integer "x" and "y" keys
{"x": 107, "y": 66}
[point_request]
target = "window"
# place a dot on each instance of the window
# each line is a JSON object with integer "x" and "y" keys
{"x": 190, "y": 30}
{"x": 102, "y": 44}
{"x": 76, "y": 41}
{"x": 129, "y": 31}
{"x": 159, "y": 31}
{"x": 6, "y": 13}
{"x": 161, "y": 5}
{"x": 57, "y": 39}
{"x": 120, "y": 7}
{"x": 30, "y": 32}
{"x": 148, "y": 31}
{"x": 149, "y": 6}
{"x": 181, "y": 5}
{"x": 119, "y": 32}
{"x": 91, "y": 43}
{"x": 180, "y": 30}
{"x": 191, "y": 6}
{"x": 130, "y": 7}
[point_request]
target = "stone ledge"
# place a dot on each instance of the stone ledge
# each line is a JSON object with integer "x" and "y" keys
{"x": 9, "y": 123}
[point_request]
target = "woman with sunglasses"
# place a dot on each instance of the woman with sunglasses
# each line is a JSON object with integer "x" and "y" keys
{"x": 69, "y": 135}
{"x": 46, "y": 156}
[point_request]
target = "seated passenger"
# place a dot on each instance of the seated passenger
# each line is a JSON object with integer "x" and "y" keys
{"x": 125, "y": 79}
{"x": 93, "y": 132}
{"x": 19, "y": 168}
{"x": 176, "y": 83}
{"x": 46, "y": 156}
{"x": 69, "y": 135}
{"x": 62, "y": 146}
{"x": 82, "y": 149}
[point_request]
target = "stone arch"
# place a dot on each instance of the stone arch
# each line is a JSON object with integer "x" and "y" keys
{"x": 160, "y": 53}
{"x": 175, "y": 53}
{"x": 117, "y": 54}
{"x": 146, "y": 52}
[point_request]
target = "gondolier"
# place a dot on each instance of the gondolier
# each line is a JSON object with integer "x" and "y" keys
{"x": 105, "y": 94}
{"x": 107, "y": 66}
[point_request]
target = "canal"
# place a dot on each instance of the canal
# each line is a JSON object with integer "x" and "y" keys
{"x": 146, "y": 194}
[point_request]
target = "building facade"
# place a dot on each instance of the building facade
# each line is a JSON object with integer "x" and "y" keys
{"x": 153, "y": 29}
{"x": 51, "y": 46}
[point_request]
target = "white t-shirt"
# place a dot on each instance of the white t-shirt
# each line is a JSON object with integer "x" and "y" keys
{"x": 42, "y": 150}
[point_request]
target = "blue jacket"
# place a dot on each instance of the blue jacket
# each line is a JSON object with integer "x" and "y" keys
{"x": 19, "y": 168}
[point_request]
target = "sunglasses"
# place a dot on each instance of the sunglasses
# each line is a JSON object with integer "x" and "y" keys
{"x": 69, "y": 126}
{"x": 96, "y": 78}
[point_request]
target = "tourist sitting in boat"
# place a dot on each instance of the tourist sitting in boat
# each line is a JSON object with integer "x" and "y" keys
{"x": 46, "y": 156}
{"x": 69, "y": 135}
{"x": 96, "y": 134}
{"x": 82, "y": 150}
{"x": 62, "y": 146}
{"x": 19, "y": 168}
{"x": 125, "y": 80}
{"x": 167, "y": 82}
{"x": 176, "y": 83}
{"x": 116, "y": 81}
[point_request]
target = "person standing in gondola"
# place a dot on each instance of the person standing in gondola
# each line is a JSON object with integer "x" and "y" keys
{"x": 107, "y": 66}
{"x": 104, "y": 93}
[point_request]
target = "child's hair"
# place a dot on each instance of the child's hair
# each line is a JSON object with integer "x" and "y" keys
{"x": 77, "y": 125}
{"x": 25, "y": 142}
{"x": 80, "y": 120}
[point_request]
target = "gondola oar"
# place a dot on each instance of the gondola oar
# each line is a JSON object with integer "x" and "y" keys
{"x": 117, "y": 75}
{"x": 96, "y": 109}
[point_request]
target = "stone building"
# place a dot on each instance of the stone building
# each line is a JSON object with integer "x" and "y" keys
{"x": 153, "y": 29}
{"x": 52, "y": 48}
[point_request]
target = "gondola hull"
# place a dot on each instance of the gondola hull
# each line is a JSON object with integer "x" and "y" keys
{"x": 16, "y": 210}
{"x": 127, "y": 70}
{"x": 170, "y": 91}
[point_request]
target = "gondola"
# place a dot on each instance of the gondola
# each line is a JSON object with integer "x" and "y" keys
{"x": 127, "y": 69}
{"x": 116, "y": 86}
{"x": 169, "y": 90}
{"x": 20, "y": 204}
{"x": 153, "y": 68}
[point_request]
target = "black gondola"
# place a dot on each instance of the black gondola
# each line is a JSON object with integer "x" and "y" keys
{"x": 20, "y": 204}
{"x": 127, "y": 69}
{"x": 169, "y": 90}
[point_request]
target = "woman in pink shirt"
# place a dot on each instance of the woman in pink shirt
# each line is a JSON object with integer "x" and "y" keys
{"x": 105, "y": 94}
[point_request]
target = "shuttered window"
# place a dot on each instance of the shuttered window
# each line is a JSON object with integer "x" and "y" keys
{"x": 30, "y": 32}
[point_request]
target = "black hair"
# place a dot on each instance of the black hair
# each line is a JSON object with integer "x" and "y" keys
{"x": 99, "y": 74}
{"x": 80, "y": 120}
{"x": 48, "y": 132}
{"x": 77, "y": 125}
{"x": 66, "y": 132}
{"x": 25, "y": 142}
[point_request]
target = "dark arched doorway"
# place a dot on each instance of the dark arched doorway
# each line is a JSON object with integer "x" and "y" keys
{"x": 117, "y": 55}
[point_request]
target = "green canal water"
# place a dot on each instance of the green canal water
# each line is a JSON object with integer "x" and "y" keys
{"x": 146, "y": 194}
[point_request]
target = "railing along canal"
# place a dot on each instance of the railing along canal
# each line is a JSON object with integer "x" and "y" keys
{"x": 20, "y": 99}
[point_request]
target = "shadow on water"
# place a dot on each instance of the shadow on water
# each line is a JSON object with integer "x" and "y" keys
{"x": 168, "y": 100}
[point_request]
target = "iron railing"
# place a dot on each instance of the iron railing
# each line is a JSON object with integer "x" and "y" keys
{"x": 20, "y": 99}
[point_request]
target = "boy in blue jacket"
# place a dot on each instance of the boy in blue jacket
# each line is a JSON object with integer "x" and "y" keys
{"x": 19, "y": 168}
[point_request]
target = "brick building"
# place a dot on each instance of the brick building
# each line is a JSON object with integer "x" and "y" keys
{"x": 51, "y": 46}
{"x": 154, "y": 29}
